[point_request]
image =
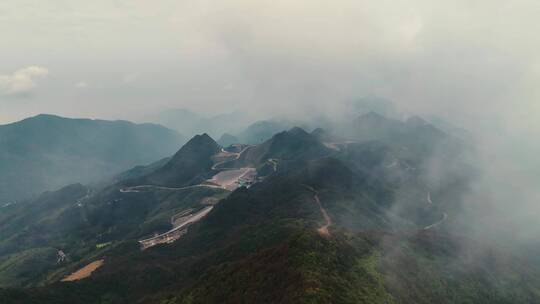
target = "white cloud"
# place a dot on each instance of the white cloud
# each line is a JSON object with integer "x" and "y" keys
{"x": 130, "y": 78}
{"x": 81, "y": 85}
{"x": 21, "y": 81}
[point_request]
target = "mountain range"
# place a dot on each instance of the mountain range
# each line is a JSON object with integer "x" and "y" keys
{"x": 47, "y": 152}
{"x": 348, "y": 215}
{"x": 191, "y": 123}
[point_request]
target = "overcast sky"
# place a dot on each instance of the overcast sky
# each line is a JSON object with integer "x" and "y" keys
{"x": 472, "y": 60}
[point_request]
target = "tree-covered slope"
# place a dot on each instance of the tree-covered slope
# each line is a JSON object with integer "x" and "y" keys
{"x": 191, "y": 164}
{"x": 364, "y": 223}
{"x": 47, "y": 152}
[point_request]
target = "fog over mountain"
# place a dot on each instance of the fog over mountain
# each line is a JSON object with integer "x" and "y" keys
{"x": 47, "y": 152}
{"x": 402, "y": 103}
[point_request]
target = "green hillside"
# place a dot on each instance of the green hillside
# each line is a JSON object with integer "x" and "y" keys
{"x": 47, "y": 152}
{"x": 324, "y": 222}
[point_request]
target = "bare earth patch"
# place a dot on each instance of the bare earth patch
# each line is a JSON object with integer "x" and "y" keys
{"x": 323, "y": 230}
{"x": 231, "y": 179}
{"x": 84, "y": 272}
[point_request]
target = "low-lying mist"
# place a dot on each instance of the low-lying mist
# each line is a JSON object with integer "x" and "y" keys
{"x": 474, "y": 65}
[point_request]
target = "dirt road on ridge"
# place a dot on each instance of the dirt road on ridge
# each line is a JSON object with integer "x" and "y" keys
{"x": 323, "y": 230}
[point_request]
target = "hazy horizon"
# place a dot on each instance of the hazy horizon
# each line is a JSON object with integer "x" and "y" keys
{"x": 116, "y": 59}
{"x": 475, "y": 64}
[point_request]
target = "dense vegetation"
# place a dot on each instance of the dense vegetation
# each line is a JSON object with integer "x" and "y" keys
{"x": 190, "y": 165}
{"x": 47, "y": 152}
{"x": 261, "y": 244}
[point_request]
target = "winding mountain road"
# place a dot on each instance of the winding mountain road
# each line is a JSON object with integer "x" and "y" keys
{"x": 176, "y": 232}
{"x": 7, "y": 205}
{"x": 393, "y": 164}
{"x": 141, "y": 188}
{"x": 79, "y": 202}
{"x": 238, "y": 155}
{"x": 444, "y": 216}
{"x": 274, "y": 163}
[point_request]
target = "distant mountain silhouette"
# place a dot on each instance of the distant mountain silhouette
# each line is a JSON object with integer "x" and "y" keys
{"x": 227, "y": 139}
{"x": 191, "y": 123}
{"x": 263, "y": 130}
{"x": 46, "y": 152}
{"x": 293, "y": 144}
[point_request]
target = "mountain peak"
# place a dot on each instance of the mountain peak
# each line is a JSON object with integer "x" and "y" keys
{"x": 372, "y": 116}
{"x": 298, "y": 131}
{"x": 318, "y": 131}
{"x": 190, "y": 164}
{"x": 41, "y": 118}
{"x": 45, "y": 116}
{"x": 202, "y": 138}
{"x": 227, "y": 140}
{"x": 295, "y": 133}
{"x": 199, "y": 143}
{"x": 293, "y": 144}
{"x": 416, "y": 121}
{"x": 374, "y": 120}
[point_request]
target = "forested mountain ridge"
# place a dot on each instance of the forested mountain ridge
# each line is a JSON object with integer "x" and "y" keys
{"x": 47, "y": 152}
{"x": 322, "y": 217}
